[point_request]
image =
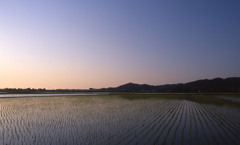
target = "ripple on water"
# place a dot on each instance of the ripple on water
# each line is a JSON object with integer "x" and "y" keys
{"x": 113, "y": 120}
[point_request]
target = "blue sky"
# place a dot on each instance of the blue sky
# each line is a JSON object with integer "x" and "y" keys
{"x": 87, "y": 43}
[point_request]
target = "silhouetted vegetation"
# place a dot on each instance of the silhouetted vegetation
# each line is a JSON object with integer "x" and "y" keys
{"x": 200, "y": 86}
{"x": 36, "y": 91}
{"x": 218, "y": 85}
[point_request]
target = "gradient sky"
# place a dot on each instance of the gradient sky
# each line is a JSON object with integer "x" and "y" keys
{"x": 101, "y": 43}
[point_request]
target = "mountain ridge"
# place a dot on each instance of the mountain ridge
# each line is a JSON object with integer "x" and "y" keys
{"x": 231, "y": 84}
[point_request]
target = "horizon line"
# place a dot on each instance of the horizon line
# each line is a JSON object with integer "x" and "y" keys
{"x": 43, "y": 88}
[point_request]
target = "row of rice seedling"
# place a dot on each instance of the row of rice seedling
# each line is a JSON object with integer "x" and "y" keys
{"x": 205, "y": 133}
{"x": 208, "y": 128}
{"x": 195, "y": 127}
{"x": 227, "y": 117}
{"x": 113, "y": 120}
{"x": 140, "y": 123}
{"x": 145, "y": 127}
{"x": 163, "y": 124}
{"x": 169, "y": 132}
{"x": 152, "y": 134}
{"x": 201, "y": 125}
{"x": 229, "y": 132}
{"x": 180, "y": 125}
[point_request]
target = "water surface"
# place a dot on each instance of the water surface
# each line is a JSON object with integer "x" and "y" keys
{"x": 114, "y": 119}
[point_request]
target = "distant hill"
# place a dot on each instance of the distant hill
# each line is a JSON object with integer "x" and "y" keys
{"x": 214, "y": 85}
{"x": 231, "y": 85}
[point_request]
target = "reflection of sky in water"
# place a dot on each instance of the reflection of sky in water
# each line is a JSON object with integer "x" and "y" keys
{"x": 44, "y": 95}
{"x": 113, "y": 120}
{"x": 233, "y": 99}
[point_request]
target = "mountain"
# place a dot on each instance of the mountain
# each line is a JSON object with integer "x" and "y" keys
{"x": 131, "y": 87}
{"x": 214, "y": 85}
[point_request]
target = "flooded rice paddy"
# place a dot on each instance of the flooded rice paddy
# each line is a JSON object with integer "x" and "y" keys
{"x": 112, "y": 119}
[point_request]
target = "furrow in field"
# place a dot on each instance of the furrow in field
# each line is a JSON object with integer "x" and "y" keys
{"x": 227, "y": 133}
{"x": 178, "y": 136}
{"x": 224, "y": 117}
{"x": 219, "y": 128}
{"x": 214, "y": 134}
{"x": 186, "y": 132}
{"x": 158, "y": 135}
{"x": 152, "y": 135}
{"x": 141, "y": 132}
{"x": 194, "y": 140}
{"x": 207, "y": 127}
{"x": 173, "y": 126}
{"x": 99, "y": 121}
{"x": 202, "y": 138}
{"x": 178, "y": 128}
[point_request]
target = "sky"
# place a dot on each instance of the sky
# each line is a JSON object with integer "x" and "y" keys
{"x": 81, "y": 44}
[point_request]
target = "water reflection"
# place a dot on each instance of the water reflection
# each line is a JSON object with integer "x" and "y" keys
{"x": 222, "y": 100}
{"x": 46, "y": 95}
{"x": 115, "y": 120}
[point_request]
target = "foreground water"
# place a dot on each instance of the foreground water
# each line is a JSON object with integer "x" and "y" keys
{"x": 116, "y": 120}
